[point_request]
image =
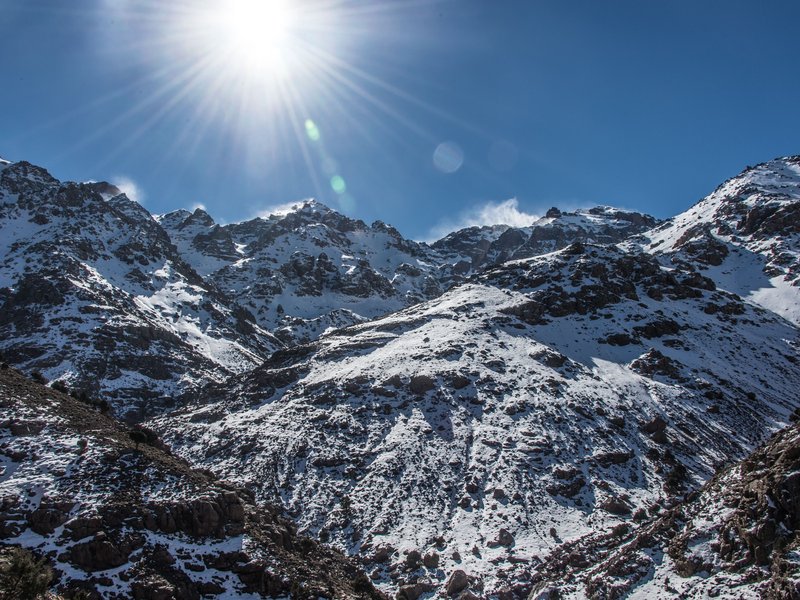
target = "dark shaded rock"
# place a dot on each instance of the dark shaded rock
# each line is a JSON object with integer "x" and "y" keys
{"x": 504, "y": 538}
{"x": 103, "y": 553}
{"x": 457, "y": 582}
{"x": 654, "y": 425}
{"x": 412, "y": 591}
{"x": 431, "y": 560}
{"x": 658, "y": 328}
{"x": 653, "y": 363}
{"x": 606, "y": 459}
{"x": 421, "y": 383}
{"x": 615, "y": 506}
{"x": 619, "y": 339}
{"x": 45, "y": 519}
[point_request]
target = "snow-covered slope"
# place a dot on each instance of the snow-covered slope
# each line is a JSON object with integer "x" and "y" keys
{"x": 545, "y": 399}
{"x": 734, "y": 539}
{"x": 745, "y": 236}
{"x": 119, "y": 517}
{"x": 93, "y": 292}
{"x": 307, "y": 269}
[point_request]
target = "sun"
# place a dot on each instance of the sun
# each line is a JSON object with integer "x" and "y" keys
{"x": 259, "y": 34}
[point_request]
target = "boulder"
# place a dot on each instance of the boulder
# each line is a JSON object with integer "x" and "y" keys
{"x": 457, "y": 582}
{"x": 422, "y": 383}
{"x": 412, "y": 591}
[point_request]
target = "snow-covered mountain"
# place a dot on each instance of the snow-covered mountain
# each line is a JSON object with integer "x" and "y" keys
{"x": 307, "y": 269}
{"x": 142, "y": 310}
{"x": 453, "y": 413}
{"x": 94, "y": 293}
{"x": 547, "y": 398}
{"x": 118, "y": 516}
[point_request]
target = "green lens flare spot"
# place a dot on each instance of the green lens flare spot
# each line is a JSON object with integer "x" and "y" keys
{"x": 338, "y": 184}
{"x": 312, "y": 131}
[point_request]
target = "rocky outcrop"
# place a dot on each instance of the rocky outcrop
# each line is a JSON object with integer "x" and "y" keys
{"x": 117, "y": 511}
{"x": 737, "y": 534}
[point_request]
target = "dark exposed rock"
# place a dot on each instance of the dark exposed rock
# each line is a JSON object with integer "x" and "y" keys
{"x": 654, "y": 363}
{"x": 457, "y": 582}
{"x": 504, "y": 538}
{"x": 45, "y": 519}
{"x": 412, "y": 591}
{"x": 607, "y": 459}
{"x": 658, "y": 328}
{"x": 422, "y": 383}
{"x": 102, "y": 552}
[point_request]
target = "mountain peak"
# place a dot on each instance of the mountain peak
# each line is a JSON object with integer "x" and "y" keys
{"x": 200, "y": 217}
{"x": 105, "y": 189}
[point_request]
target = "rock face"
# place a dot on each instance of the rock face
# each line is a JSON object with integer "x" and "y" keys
{"x": 735, "y": 538}
{"x": 126, "y": 522}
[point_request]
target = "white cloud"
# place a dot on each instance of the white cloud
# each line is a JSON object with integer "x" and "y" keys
{"x": 506, "y": 212}
{"x": 129, "y": 187}
{"x": 279, "y": 209}
{"x": 197, "y": 205}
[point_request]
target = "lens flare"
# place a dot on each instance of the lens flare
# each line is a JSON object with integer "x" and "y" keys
{"x": 448, "y": 157}
{"x": 261, "y": 79}
{"x": 338, "y": 185}
{"x": 312, "y": 131}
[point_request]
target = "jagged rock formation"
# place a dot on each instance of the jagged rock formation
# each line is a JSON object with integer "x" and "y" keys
{"x": 118, "y": 516}
{"x": 308, "y": 269}
{"x": 735, "y": 538}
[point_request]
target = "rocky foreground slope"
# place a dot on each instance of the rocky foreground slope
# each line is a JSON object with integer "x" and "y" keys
{"x": 734, "y": 538}
{"x": 117, "y": 515}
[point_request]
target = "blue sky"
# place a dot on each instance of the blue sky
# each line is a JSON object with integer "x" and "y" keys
{"x": 642, "y": 105}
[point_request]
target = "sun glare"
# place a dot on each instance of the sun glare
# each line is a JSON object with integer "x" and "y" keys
{"x": 270, "y": 74}
{"x": 258, "y": 33}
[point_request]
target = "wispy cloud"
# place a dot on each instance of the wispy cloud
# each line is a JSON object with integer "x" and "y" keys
{"x": 197, "y": 205}
{"x": 129, "y": 187}
{"x": 506, "y": 212}
{"x": 279, "y": 209}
